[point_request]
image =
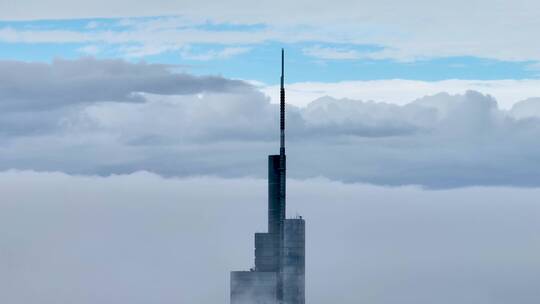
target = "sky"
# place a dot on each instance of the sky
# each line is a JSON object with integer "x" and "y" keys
{"x": 130, "y": 131}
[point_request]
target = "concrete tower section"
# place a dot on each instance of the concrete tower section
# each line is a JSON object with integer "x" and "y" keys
{"x": 279, "y": 273}
{"x": 253, "y": 287}
{"x": 276, "y": 206}
{"x": 294, "y": 261}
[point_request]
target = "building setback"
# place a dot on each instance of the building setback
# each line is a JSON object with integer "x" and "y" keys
{"x": 279, "y": 273}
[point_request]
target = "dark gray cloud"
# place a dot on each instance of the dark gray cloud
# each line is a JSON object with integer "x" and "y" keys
{"x": 183, "y": 125}
{"x": 144, "y": 239}
{"x": 42, "y": 86}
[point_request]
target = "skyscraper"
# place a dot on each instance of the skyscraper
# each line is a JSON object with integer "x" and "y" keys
{"x": 279, "y": 273}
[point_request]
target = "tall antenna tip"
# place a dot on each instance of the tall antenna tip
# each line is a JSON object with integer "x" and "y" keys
{"x": 282, "y": 103}
{"x": 282, "y": 64}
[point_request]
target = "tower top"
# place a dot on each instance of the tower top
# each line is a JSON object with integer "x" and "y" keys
{"x": 282, "y": 66}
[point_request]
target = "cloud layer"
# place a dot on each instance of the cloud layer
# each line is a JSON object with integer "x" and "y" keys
{"x": 36, "y": 86}
{"x": 82, "y": 117}
{"x": 404, "y": 30}
{"x": 404, "y": 91}
{"x": 140, "y": 238}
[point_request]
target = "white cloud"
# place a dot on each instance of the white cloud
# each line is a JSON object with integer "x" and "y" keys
{"x": 90, "y": 50}
{"x": 333, "y": 53}
{"x": 400, "y": 91}
{"x": 406, "y": 30}
{"x": 92, "y": 25}
{"x": 138, "y": 42}
{"x": 141, "y": 238}
{"x": 225, "y": 53}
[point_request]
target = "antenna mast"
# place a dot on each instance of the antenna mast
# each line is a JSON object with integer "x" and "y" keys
{"x": 282, "y": 181}
{"x": 282, "y": 106}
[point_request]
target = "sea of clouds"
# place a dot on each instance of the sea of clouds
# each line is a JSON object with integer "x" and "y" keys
{"x": 142, "y": 238}
{"x": 105, "y": 117}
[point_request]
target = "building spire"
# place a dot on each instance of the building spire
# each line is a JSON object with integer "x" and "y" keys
{"x": 282, "y": 105}
{"x": 282, "y": 181}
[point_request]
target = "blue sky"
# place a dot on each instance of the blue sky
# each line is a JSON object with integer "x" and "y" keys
{"x": 255, "y": 59}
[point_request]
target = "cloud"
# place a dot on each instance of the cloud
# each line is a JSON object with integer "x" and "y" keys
{"x": 403, "y": 91}
{"x": 135, "y": 41}
{"x": 34, "y": 86}
{"x": 213, "y": 54}
{"x": 443, "y": 30}
{"x": 89, "y": 50}
{"x": 141, "y": 238}
{"x": 82, "y": 117}
{"x": 333, "y": 53}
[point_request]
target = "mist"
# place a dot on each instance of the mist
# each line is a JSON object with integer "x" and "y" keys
{"x": 142, "y": 238}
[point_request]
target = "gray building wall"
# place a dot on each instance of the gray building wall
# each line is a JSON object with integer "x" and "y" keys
{"x": 253, "y": 287}
{"x": 276, "y": 208}
{"x": 294, "y": 261}
{"x": 266, "y": 252}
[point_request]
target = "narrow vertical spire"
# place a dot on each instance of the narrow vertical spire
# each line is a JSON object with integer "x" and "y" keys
{"x": 282, "y": 160}
{"x": 282, "y": 181}
{"x": 282, "y": 105}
